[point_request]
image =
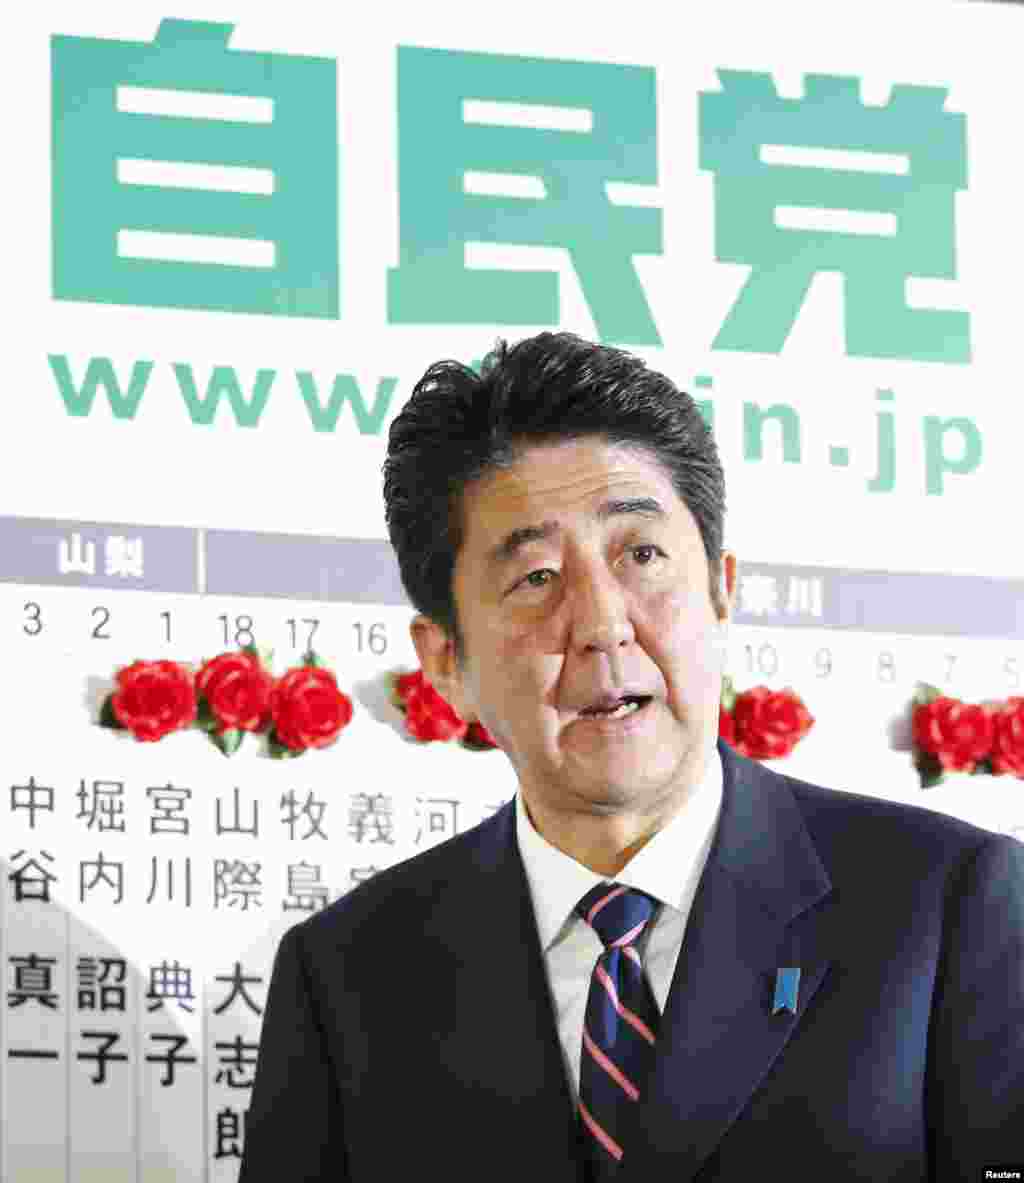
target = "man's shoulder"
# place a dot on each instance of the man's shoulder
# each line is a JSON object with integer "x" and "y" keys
{"x": 877, "y": 823}
{"x": 405, "y": 895}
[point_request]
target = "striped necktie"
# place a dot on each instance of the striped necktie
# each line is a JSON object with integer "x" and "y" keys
{"x": 621, "y": 1023}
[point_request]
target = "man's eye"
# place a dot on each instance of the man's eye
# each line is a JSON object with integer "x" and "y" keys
{"x": 542, "y": 570}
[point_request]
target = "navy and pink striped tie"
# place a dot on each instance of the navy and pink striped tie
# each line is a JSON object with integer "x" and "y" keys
{"x": 620, "y": 1025}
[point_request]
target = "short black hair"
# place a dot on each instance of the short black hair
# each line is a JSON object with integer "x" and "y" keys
{"x": 458, "y": 426}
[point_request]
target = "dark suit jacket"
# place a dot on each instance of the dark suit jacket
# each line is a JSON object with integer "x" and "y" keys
{"x": 410, "y": 1034}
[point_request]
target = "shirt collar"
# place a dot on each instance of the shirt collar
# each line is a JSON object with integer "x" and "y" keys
{"x": 663, "y": 868}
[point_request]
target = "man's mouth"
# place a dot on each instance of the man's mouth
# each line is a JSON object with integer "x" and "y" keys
{"x": 629, "y": 705}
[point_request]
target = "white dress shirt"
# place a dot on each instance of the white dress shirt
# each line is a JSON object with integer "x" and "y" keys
{"x": 668, "y": 867}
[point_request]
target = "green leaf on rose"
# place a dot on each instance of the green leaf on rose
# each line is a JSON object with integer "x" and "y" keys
{"x": 394, "y": 694}
{"x": 929, "y": 768}
{"x": 728, "y": 700}
{"x": 926, "y": 693}
{"x": 310, "y": 657}
{"x": 107, "y": 716}
{"x": 279, "y": 750}
{"x": 205, "y": 719}
{"x": 228, "y": 741}
{"x": 266, "y": 656}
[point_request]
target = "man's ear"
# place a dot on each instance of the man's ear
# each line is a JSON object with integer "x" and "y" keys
{"x": 437, "y": 659}
{"x": 727, "y": 584}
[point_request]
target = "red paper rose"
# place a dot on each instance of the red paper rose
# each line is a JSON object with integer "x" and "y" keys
{"x": 958, "y": 733}
{"x": 308, "y": 709}
{"x": 769, "y": 723}
{"x": 479, "y": 734}
{"x": 238, "y": 689}
{"x": 1008, "y": 738}
{"x": 153, "y": 698}
{"x": 427, "y": 715}
{"x": 726, "y": 726}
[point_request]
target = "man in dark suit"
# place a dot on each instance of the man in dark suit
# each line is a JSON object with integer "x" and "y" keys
{"x": 661, "y": 960}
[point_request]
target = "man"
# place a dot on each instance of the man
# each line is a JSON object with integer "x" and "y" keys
{"x": 660, "y": 960}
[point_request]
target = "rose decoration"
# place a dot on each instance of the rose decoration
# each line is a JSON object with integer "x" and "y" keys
{"x": 1008, "y": 740}
{"x": 726, "y": 726}
{"x": 953, "y": 736}
{"x": 152, "y": 699}
{"x": 233, "y": 692}
{"x": 430, "y": 717}
{"x": 307, "y": 709}
{"x": 763, "y": 724}
{"x": 959, "y": 734}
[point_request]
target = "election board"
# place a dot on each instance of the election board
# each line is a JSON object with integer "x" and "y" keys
{"x": 237, "y": 235}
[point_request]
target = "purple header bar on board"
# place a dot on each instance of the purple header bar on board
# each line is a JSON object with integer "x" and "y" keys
{"x": 365, "y": 571}
{"x": 102, "y": 555}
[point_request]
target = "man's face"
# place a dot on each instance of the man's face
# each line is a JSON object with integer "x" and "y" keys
{"x": 598, "y": 605}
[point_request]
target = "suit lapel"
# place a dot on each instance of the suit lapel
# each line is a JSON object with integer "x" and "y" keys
{"x": 506, "y": 1034}
{"x": 751, "y": 915}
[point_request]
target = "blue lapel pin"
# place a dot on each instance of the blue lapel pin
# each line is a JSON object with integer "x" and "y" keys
{"x": 786, "y": 983}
